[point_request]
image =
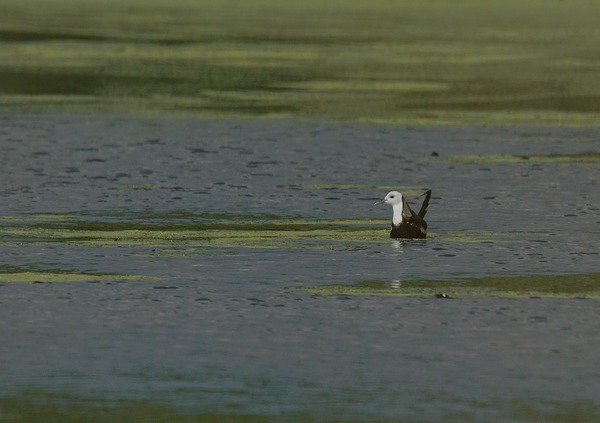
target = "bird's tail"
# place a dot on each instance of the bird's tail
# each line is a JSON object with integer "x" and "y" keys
{"x": 423, "y": 210}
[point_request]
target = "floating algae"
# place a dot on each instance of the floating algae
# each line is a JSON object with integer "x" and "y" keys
{"x": 561, "y": 286}
{"x": 194, "y": 231}
{"x": 14, "y": 274}
{"x": 587, "y": 157}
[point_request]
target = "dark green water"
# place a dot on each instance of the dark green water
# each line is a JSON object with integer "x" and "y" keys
{"x": 466, "y": 63}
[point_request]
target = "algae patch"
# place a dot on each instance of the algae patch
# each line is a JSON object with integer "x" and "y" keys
{"x": 182, "y": 230}
{"x": 16, "y": 275}
{"x": 587, "y": 157}
{"x": 233, "y": 237}
{"x": 65, "y": 407}
{"x": 43, "y": 406}
{"x": 585, "y": 285}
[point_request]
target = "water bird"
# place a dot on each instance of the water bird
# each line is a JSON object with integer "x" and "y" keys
{"x": 405, "y": 222}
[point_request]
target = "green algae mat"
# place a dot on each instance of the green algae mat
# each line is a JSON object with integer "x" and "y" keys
{"x": 556, "y": 286}
{"x": 463, "y": 63}
{"x": 20, "y": 275}
{"x": 587, "y": 157}
{"x": 22, "y": 409}
{"x": 192, "y": 230}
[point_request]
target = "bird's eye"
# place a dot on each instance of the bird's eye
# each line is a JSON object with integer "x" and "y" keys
{"x": 392, "y": 196}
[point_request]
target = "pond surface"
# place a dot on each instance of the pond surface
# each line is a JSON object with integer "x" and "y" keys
{"x": 189, "y": 244}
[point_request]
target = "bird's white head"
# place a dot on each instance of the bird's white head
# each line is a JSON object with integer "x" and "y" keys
{"x": 394, "y": 199}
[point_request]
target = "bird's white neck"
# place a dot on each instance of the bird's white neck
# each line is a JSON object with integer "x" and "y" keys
{"x": 397, "y": 217}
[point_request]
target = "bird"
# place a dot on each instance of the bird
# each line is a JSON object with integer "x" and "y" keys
{"x": 405, "y": 222}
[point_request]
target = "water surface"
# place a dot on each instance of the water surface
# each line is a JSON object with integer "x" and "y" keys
{"x": 222, "y": 224}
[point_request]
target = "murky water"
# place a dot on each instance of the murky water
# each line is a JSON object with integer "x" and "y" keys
{"x": 221, "y": 329}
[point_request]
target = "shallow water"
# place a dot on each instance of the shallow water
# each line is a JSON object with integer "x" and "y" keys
{"x": 224, "y": 326}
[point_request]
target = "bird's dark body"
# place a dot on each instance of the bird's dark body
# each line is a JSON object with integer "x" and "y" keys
{"x": 408, "y": 230}
{"x": 413, "y": 225}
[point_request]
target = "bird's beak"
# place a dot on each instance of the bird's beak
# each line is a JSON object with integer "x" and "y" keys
{"x": 379, "y": 202}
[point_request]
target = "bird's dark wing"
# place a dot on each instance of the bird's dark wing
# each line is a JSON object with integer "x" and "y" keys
{"x": 411, "y": 218}
{"x": 423, "y": 210}
{"x": 416, "y": 221}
